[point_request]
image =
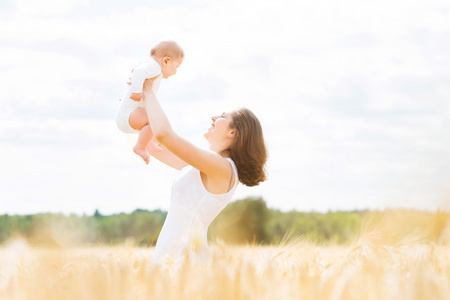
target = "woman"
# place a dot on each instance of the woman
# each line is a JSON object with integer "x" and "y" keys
{"x": 209, "y": 177}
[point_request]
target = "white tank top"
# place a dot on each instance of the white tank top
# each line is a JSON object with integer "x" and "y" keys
{"x": 192, "y": 209}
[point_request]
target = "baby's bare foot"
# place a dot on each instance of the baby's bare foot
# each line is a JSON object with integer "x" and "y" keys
{"x": 142, "y": 153}
{"x": 152, "y": 147}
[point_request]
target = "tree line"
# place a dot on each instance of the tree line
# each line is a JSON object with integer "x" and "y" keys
{"x": 241, "y": 222}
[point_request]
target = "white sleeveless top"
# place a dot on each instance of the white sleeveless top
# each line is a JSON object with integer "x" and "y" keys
{"x": 192, "y": 209}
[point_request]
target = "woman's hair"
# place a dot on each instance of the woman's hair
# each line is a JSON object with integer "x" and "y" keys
{"x": 167, "y": 48}
{"x": 248, "y": 150}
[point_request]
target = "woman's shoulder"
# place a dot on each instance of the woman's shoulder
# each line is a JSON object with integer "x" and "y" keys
{"x": 233, "y": 165}
{"x": 230, "y": 160}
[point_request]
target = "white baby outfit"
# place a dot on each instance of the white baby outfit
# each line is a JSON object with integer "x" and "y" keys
{"x": 192, "y": 209}
{"x": 147, "y": 68}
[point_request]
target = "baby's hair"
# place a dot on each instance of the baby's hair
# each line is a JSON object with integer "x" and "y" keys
{"x": 169, "y": 49}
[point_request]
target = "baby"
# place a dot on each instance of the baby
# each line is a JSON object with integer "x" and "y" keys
{"x": 163, "y": 62}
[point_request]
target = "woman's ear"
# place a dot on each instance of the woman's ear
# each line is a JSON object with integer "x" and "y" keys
{"x": 166, "y": 59}
{"x": 231, "y": 133}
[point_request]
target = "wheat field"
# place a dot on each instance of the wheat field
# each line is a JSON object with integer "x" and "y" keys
{"x": 366, "y": 269}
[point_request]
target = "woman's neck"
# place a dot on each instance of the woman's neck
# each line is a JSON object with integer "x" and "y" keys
{"x": 220, "y": 149}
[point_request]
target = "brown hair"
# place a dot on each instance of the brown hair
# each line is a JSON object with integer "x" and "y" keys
{"x": 167, "y": 48}
{"x": 248, "y": 150}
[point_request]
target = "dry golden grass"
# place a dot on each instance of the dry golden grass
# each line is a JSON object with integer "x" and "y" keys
{"x": 298, "y": 270}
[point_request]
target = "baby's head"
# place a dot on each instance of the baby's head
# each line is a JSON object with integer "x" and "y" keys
{"x": 169, "y": 55}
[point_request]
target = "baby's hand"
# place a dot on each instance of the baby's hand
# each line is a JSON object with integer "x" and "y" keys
{"x": 136, "y": 96}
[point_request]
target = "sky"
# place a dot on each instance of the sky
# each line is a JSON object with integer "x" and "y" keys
{"x": 353, "y": 97}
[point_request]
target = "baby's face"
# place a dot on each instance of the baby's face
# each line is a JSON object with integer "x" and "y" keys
{"x": 169, "y": 66}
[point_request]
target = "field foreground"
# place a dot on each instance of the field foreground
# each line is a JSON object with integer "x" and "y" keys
{"x": 295, "y": 271}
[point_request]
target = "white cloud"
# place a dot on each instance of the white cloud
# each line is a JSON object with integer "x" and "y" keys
{"x": 46, "y": 8}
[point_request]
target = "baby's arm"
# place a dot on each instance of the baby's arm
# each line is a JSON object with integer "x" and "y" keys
{"x": 138, "y": 96}
{"x": 138, "y": 76}
{"x": 137, "y": 79}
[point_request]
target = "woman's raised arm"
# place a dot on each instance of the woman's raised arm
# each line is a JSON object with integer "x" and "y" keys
{"x": 209, "y": 162}
{"x": 168, "y": 158}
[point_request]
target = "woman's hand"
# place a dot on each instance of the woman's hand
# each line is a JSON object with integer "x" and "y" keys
{"x": 148, "y": 83}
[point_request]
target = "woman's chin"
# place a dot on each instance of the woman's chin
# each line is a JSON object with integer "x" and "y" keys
{"x": 208, "y": 132}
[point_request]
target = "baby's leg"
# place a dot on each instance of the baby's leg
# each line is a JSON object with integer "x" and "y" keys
{"x": 138, "y": 120}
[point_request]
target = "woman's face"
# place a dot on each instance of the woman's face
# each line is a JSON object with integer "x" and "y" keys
{"x": 220, "y": 127}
